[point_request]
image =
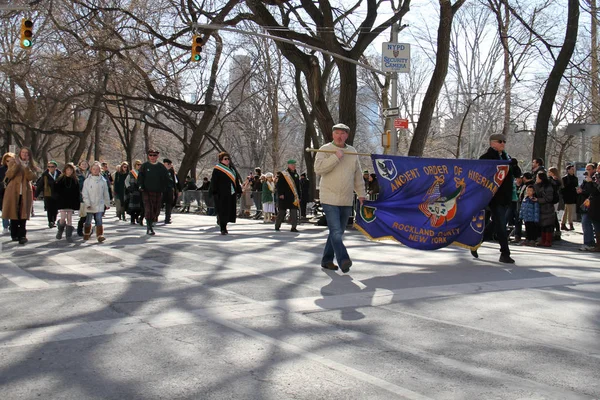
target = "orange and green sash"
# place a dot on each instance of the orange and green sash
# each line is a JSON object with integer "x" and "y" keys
{"x": 227, "y": 171}
{"x": 292, "y": 185}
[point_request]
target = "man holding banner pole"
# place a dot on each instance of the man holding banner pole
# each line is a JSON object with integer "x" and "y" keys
{"x": 502, "y": 199}
{"x": 341, "y": 176}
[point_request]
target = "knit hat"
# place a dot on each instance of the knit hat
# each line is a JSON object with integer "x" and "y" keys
{"x": 53, "y": 162}
{"x": 269, "y": 174}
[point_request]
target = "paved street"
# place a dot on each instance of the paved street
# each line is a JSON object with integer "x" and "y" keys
{"x": 191, "y": 314}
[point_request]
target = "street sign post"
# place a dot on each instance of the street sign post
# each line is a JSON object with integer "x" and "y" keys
{"x": 391, "y": 112}
{"x": 395, "y": 57}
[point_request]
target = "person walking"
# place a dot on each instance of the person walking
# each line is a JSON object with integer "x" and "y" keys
{"x": 83, "y": 172}
{"x": 268, "y": 202}
{"x": 3, "y": 168}
{"x": 67, "y": 200}
{"x": 569, "y": 193}
{"x": 133, "y": 196}
{"x": 225, "y": 188}
{"x": 288, "y": 196}
{"x": 119, "y": 190}
{"x": 18, "y": 195}
{"x": 45, "y": 186}
{"x": 96, "y": 200}
{"x": 171, "y": 193}
{"x": 304, "y": 194}
{"x": 341, "y": 177}
{"x": 153, "y": 181}
{"x": 503, "y": 197}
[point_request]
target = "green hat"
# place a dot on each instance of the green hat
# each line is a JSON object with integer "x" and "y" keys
{"x": 53, "y": 162}
{"x": 291, "y": 161}
{"x": 366, "y": 171}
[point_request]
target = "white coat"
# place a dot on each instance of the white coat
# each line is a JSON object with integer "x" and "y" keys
{"x": 95, "y": 194}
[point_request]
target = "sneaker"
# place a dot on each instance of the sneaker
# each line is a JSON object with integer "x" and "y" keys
{"x": 504, "y": 258}
{"x": 5, "y": 231}
{"x": 585, "y": 247}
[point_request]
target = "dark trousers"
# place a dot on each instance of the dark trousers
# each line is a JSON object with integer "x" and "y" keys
{"x": 498, "y": 215}
{"x": 303, "y": 208}
{"x": 281, "y": 217}
{"x": 18, "y": 229}
{"x": 531, "y": 230}
{"x": 151, "y": 205}
{"x": 51, "y": 207}
{"x": 168, "y": 205}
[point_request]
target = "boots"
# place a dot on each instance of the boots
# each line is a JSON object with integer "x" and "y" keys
{"x": 546, "y": 239}
{"x": 80, "y": 226}
{"x": 563, "y": 227}
{"x": 87, "y": 231}
{"x": 69, "y": 233}
{"x": 61, "y": 229}
{"x": 149, "y": 230}
{"x": 100, "y": 233}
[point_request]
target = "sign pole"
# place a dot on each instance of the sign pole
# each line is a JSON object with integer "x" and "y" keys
{"x": 394, "y": 139}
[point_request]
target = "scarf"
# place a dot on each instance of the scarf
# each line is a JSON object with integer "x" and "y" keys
{"x": 230, "y": 173}
{"x": 290, "y": 182}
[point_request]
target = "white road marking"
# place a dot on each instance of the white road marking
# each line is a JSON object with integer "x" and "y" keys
{"x": 20, "y": 277}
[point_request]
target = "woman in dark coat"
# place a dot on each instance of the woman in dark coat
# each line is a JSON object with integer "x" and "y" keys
{"x": 133, "y": 196}
{"x": 119, "y": 190}
{"x": 569, "y": 192}
{"x": 67, "y": 200}
{"x": 224, "y": 188}
{"x": 544, "y": 192}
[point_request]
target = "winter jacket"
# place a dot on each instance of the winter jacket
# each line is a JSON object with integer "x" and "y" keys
{"x": 266, "y": 193}
{"x": 154, "y": 178}
{"x": 45, "y": 185}
{"x": 545, "y": 194}
{"x": 284, "y": 189}
{"x": 20, "y": 177}
{"x": 569, "y": 190}
{"x": 530, "y": 210}
{"x": 67, "y": 193}
{"x": 503, "y": 196}
{"x": 95, "y": 194}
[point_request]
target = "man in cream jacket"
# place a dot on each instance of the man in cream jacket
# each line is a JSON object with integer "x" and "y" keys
{"x": 341, "y": 176}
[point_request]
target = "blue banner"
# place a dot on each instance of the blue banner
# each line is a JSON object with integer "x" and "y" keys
{"x": 430, "y": 203}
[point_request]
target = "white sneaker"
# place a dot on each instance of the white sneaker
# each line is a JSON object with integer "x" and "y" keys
{"x": 585, "y": 247}
{"x": 5, "y": 231}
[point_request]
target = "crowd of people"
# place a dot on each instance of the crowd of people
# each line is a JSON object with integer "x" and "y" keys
{"x": 526, "y": 206}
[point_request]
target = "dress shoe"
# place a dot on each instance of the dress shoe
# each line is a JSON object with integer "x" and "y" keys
{"x": 330, "y": 265}
{"x": 505, "y": 258}
{"x": 23, "y": 240}
{"x": 294, "y": 230}
{"x": 345, "y": 266}
{"x": 474, "y": 253}
{"x": 277, "y": 229}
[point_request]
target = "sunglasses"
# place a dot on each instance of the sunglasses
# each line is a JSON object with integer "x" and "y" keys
{"x": 226, "y": 159}
{"x": 51, "y": 166}
{"x": 153, "y": 155}
{"x": 501, "y": 141}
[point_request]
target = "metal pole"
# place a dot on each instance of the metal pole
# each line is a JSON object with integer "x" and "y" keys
{"x": 394, "y": 139}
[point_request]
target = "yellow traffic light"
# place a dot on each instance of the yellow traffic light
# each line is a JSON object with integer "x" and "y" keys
{"x": 26, "y": 33}
{"x": 197, "y": 44}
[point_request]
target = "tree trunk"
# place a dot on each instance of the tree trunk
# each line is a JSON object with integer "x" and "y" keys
{"x": 447, "y": 11}
{"x": 562, "y": 61}
{"x": 347, "y": 102}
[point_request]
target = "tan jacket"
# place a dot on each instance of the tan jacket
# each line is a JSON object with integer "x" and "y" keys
{"x": 339, "y": 178}
{"x": 20, "y": 182}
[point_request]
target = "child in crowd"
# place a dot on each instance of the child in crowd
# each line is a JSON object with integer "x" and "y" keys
{"x": 530, "y": 214}
{"x": 67, "y": 191}
{"x": 96, "y": 200}
{"x": 268, "y": 204}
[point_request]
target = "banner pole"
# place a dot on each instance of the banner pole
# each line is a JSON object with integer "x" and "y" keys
{"x": 309, "y": 150}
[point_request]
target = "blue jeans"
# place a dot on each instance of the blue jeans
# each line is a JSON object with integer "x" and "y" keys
{"x": 337, "y": 219}
{"x": 5, "y": 223}
{"x": 589, "y": 226}
{"x": 97, "y": 218}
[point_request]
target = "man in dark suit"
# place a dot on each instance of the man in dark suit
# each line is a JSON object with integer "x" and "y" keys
{"x": 304, "y": 194}
{"x": 288, "y": 186}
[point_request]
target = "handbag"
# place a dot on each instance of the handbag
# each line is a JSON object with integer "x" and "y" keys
{"x": 82, "y": 212}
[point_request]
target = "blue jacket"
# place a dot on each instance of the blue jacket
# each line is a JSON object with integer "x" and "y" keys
{"x": 530, "y": 210}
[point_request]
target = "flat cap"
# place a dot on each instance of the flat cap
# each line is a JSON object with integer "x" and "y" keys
{"x": 498, "y": 136}
{"x": 291, "y": 161}
{"x": 342, "y": 127}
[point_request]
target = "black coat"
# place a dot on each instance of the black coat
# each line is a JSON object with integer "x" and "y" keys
{"x": 45, "y": 184}
{"x": 305, "y": 190}
{"x": 569, "y": 189}
{"x": 503, "y": 196}
{"x": 283, "y": 189}
{"x": 545, "y": 194}
{"x": 225, "y": 201}
{"x": 67, "y": 193}
{"x": 592, "y": 189}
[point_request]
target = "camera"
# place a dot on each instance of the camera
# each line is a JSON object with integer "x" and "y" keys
{"x": 585, "y": 173}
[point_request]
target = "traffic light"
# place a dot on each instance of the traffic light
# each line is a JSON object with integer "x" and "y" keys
{"x": 197, "y": 44}
{"x": 26, "y": 33}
